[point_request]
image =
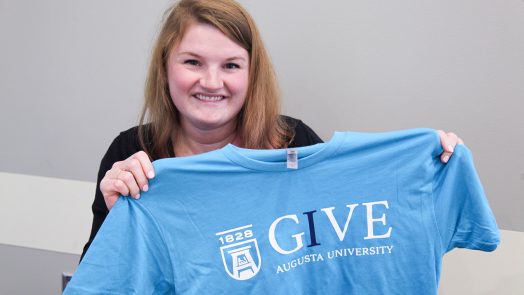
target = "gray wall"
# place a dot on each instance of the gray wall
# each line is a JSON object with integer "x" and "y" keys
{"x": 72, "y": 72}
{"x": 71, "y": 77}
{"x": 28, "y": 271}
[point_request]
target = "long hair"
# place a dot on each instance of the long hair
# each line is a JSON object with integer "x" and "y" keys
{"x": 259, "y": 123}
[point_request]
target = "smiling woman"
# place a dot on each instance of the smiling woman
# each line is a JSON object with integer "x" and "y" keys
{"x": 218, "y": 44}
{"x": 208, "y": 81}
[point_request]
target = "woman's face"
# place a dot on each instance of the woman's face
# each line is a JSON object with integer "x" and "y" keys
{"x": 208, "y": 78}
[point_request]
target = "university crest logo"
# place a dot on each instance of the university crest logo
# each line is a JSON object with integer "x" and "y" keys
{"x": 240, "y": 253}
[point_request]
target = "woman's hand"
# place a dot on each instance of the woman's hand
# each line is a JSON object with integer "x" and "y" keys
{"x": 448, "y": 140}
{"x": 127, "y": 177}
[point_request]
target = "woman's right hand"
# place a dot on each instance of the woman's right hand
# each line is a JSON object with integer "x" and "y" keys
{"x": 127, "y": 178}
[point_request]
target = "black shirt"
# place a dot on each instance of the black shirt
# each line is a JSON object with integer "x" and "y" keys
{"x": 126, "y": 144}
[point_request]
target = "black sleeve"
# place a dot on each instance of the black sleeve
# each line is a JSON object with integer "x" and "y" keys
{"x": 123, "y": 146}
{"x": 304, "y": 135}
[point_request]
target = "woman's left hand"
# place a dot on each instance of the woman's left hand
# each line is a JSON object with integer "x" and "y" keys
{"x": 448, "y": 140}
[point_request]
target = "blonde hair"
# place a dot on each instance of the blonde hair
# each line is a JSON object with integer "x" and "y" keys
{"x": 259, "y": 123}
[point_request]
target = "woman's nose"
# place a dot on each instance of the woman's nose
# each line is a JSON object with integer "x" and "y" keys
{"x": 212, "y": 79}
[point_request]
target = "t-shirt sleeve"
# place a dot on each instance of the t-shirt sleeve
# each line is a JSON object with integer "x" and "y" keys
{"x": 462, "y": 212}
{"x": 128, "y": 256}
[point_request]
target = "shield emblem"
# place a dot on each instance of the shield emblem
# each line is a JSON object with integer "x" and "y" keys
{"x": 241, "y": 260}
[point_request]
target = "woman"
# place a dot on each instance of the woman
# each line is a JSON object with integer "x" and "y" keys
{"x": 210, "y": 83}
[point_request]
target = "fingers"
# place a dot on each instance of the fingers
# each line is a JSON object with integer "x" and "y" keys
{"x": 128, "y": 177}
{"x": 111, "y": 189}
{"x": 145, "y": 164}
{"x": 129, "y": 180}
{"x": 448, "y": 141}
{"x": 135, "y": 172}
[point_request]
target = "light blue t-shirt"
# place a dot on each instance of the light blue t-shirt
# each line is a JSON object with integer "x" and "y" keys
{"x": 365, "y": 213}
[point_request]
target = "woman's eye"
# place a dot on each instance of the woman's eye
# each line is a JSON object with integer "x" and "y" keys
{"x": 231, "y": 65}
{"x": 192, "y": 62}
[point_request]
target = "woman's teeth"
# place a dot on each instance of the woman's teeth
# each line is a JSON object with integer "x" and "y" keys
{"x": 209, "y": 98}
